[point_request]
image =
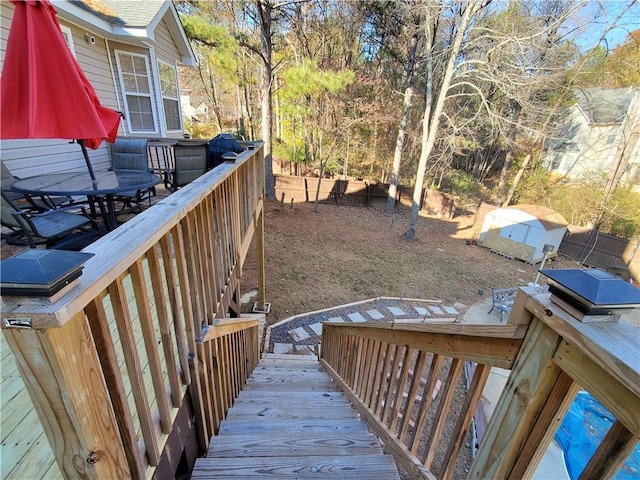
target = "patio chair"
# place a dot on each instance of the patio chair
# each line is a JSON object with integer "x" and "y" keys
{"x": 502, "y": 300}
{"x": 131, "y": 154}
{"x": 40, "y": 203}
{"x": 56, "y": 228}
{"x": 190, "y": 162}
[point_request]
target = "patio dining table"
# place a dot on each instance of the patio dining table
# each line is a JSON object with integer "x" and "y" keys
{"x": 101, "y": 190}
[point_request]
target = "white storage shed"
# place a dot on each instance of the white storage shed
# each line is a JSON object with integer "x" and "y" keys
{"x": 521, "y": 231}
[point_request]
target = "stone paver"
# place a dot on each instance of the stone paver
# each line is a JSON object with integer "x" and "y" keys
{"x": 305, "y": 350}
{"x": 356, "y": 317}
{"x": 282, "y": 348}
{"x": 421, "y": 311}
{"x": 308, "y": 332}
{"x": 299, "y": 334}
{"x": 317, "y": 328}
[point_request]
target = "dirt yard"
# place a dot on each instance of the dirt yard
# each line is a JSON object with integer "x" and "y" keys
{"x": 345, "y": 254}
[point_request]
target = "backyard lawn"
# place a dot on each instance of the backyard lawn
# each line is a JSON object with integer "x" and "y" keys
{"x": 345, "y": 254}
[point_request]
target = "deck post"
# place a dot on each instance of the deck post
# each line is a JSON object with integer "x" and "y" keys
{"x": 260, "y": 258}
{"x": 62, "y": 373}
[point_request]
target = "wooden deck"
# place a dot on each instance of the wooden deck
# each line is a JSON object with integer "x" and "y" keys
{"x": 291, "y": 421}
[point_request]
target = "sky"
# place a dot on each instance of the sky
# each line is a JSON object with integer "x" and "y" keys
{"x": 602, "y": 13}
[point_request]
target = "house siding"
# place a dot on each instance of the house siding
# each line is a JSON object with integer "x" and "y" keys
{"x": 587, "y": 151}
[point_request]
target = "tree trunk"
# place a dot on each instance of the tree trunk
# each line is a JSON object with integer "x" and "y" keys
{"x": 264, "y": 10}
{"x": 630, "y": 134}
{"x": 215, "y": 103}
{"x": 432, "y": 117}
{"x": 322, "y": 164}
{"x": 507, "y": 161}
{"x": 516, "y": 180}
{"x": 240, "y": 125}
{"x": 277, "y": 118}
{"x": 402, "y": 128}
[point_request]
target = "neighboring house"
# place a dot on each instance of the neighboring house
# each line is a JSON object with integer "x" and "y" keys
{"x": 195, "y": 114}
{"x": 130, "y": 52}
{"x": 599, "y": 131}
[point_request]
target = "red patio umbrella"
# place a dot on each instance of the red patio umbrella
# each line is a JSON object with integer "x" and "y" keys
{"x": 43, "y": 91}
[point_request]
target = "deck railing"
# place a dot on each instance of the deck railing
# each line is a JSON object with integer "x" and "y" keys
{"x": 110, "y": 362}
{"x": 403, "y": 379}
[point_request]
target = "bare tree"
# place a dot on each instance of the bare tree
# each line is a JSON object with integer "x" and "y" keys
{"x": 435, "y": 99}
{"x": 410, "y": 68}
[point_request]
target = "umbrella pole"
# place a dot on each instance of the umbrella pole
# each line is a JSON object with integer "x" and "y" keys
{"x": 86, "y": 159}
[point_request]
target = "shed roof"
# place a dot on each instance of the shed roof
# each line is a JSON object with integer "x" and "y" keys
{"x": 549, "y": 218}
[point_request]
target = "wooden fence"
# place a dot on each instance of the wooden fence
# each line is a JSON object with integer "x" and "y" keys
{"x": 360, "y": 193}
{"x": 402, "y": 379}
{"x": 145, "y": 335}
{"x": 594, "y": 249}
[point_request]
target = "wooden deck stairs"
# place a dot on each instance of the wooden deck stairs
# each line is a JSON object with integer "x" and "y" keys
{"x": 292, "y": 421}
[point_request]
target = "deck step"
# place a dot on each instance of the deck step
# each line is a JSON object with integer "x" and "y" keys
{"x": 291, "y": 421}
{"x": 359, "y": 467}
{"x": 303, "y": 444}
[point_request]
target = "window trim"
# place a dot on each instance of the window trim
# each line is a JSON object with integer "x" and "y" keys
{"x": 162, "y": 97}
{"x": 150, "y": 95}
{"x": 68, "y": 38}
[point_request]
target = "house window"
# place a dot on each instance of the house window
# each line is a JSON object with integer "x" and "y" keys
{"x": 170, "y": 101}
{"x": 66, "y": 34}
{"x": 135, "y": 83}
{"x": 556, "y": 161}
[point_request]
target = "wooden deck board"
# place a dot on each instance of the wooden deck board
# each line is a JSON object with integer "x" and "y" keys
{"x": 294, "y": 427}
{"x": 307, "y": 444}
{"x": 263, "y": 412}
{"x": 294, "y": 398}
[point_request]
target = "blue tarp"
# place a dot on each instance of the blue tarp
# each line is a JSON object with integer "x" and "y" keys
{"x": 582, "y": 430}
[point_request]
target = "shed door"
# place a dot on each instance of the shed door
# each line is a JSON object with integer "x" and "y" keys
{"x": 517, "y": 232}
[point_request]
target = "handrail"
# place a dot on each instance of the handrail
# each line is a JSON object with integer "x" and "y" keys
{"x": 111, "y": 360}
{"x": 394, "y": 373}
{"x": 402, "y": 379}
